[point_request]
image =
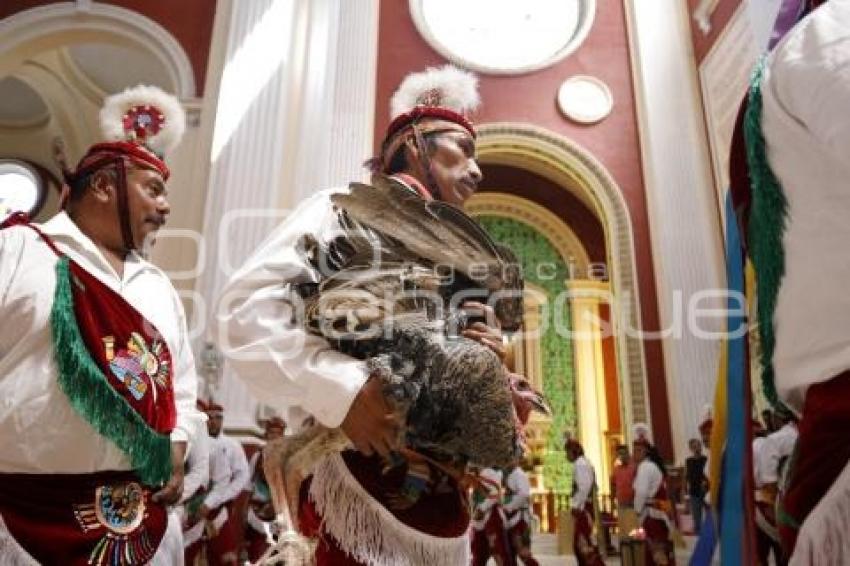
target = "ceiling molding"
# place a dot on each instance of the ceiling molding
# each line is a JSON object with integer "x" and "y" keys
{"x": 55, "y": 25}
{"x": 80, "y": 81}
{"x": 33, "y": 118}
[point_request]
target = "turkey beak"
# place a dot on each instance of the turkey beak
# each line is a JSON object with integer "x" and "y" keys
{"x": 539, "y": 403}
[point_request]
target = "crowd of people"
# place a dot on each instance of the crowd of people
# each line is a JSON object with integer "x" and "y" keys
{"x": 502, "y": 518}
{"x": 643, "y": 504}
{"x": 104, "y": 457}
{"x": 225, "y": 515}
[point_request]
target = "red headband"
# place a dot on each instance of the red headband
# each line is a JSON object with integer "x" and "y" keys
{"x": 419, "y": 112}
{"x": 100, "y": 154}
{"x": 425, "y": 119}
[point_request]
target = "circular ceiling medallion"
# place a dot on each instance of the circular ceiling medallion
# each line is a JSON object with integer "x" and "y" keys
{"x": 504, "y": 37}
{"x": 585, "y": 99}
{"x": 21, "y": 189}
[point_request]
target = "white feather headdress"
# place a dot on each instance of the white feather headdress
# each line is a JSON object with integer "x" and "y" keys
{"x": 146, "y": 115}
{"x": 445, "y": 87}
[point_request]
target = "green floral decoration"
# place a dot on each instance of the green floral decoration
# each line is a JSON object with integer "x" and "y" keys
{"x": 543, "y": 266}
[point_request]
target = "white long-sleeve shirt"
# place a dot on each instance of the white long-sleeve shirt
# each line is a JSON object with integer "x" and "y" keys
{"x": 765, "y": 463}
{"x": 227, "y": 454}
{"x": 584, "y": 478}
{"x": 490, "y": 490}
{"x": 785, "y": 439}
{"x": 517, "y": 503}
{"x": 806, "y": 126}
{"x": 647, "y": 481}
{"x": 197, "y": 465}
{"x": 39, "y": 430}
{"x": 770, "y": 451}
{"x": 260, "y": 332}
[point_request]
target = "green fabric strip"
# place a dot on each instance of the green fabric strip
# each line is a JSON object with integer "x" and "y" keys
{"x": 768, "y": 215}
{"x": 94, "y": 399}
{"x": 786, "y": 520}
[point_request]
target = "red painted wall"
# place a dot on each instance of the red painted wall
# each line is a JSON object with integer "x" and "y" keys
{"x": 531, "y": 98}
{"x": 189, "y": 21}
{"x": 542, "y": 191}
{"x": 721, "y": 16}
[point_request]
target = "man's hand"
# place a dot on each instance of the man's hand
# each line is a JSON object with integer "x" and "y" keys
{"x": 369, "y": 424}
{"x": 482, "y": 332}
{"x": 173, "y": 490}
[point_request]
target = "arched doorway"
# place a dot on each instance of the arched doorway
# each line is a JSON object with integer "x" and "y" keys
{"x": 556, "y": 205}
{"x": 575, "y": 170}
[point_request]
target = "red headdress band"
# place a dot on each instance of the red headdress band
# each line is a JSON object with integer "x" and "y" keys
{"x": 435, "y": 100}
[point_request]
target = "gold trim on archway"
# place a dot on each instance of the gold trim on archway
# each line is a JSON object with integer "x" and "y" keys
{"x": 541, "y": 219}
{"x": 575, "y": 170}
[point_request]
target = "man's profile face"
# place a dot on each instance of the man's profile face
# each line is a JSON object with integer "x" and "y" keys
{"x": 623, "y": 455}
{"x": 454, "y": 168}
{"x": 148, "y": 203}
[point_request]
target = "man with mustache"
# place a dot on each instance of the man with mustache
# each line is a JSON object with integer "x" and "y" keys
{"x": 96, "y": 372}
{"x": 359, "y": 515}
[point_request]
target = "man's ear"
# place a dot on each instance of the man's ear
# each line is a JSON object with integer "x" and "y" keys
{"x": 102, "y": 186}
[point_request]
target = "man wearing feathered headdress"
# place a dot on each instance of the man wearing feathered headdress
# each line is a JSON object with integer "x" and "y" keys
{"x": 359, "y": 513}
{"x": 96, "y": 372}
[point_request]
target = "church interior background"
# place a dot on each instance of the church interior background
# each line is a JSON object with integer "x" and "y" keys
{"x": 602, "y": 140}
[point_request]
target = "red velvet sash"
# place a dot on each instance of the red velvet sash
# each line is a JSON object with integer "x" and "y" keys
{"x": 822, "y": 452}
{"x": 128, "y": 349}
{"x": 440, "y": 514}
{"x": 112, "y": 365}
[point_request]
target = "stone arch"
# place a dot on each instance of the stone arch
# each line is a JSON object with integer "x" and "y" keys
{"x": 574, "y": 169}
{"x": 54, "y": 25}
{"x": 559, "y": 234}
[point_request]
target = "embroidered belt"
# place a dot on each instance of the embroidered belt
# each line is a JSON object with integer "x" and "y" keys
{"x": 99, "y": 519}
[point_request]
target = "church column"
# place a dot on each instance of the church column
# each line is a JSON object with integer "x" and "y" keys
{"x": 585, "y": 297}
{"x": 687, "y": 247}
{"x": 293, "y": 106}
{"x": 532, "y": 352}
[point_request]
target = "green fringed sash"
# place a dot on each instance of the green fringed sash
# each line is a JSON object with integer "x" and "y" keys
{"x": 766, "y": 228}
{"x": 94, "y": 399}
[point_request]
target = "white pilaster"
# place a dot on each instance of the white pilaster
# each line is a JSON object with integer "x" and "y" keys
{"x": 591, "y": 404}
{"x": 684, "y": 219}
{"x": 294, "y": 104}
